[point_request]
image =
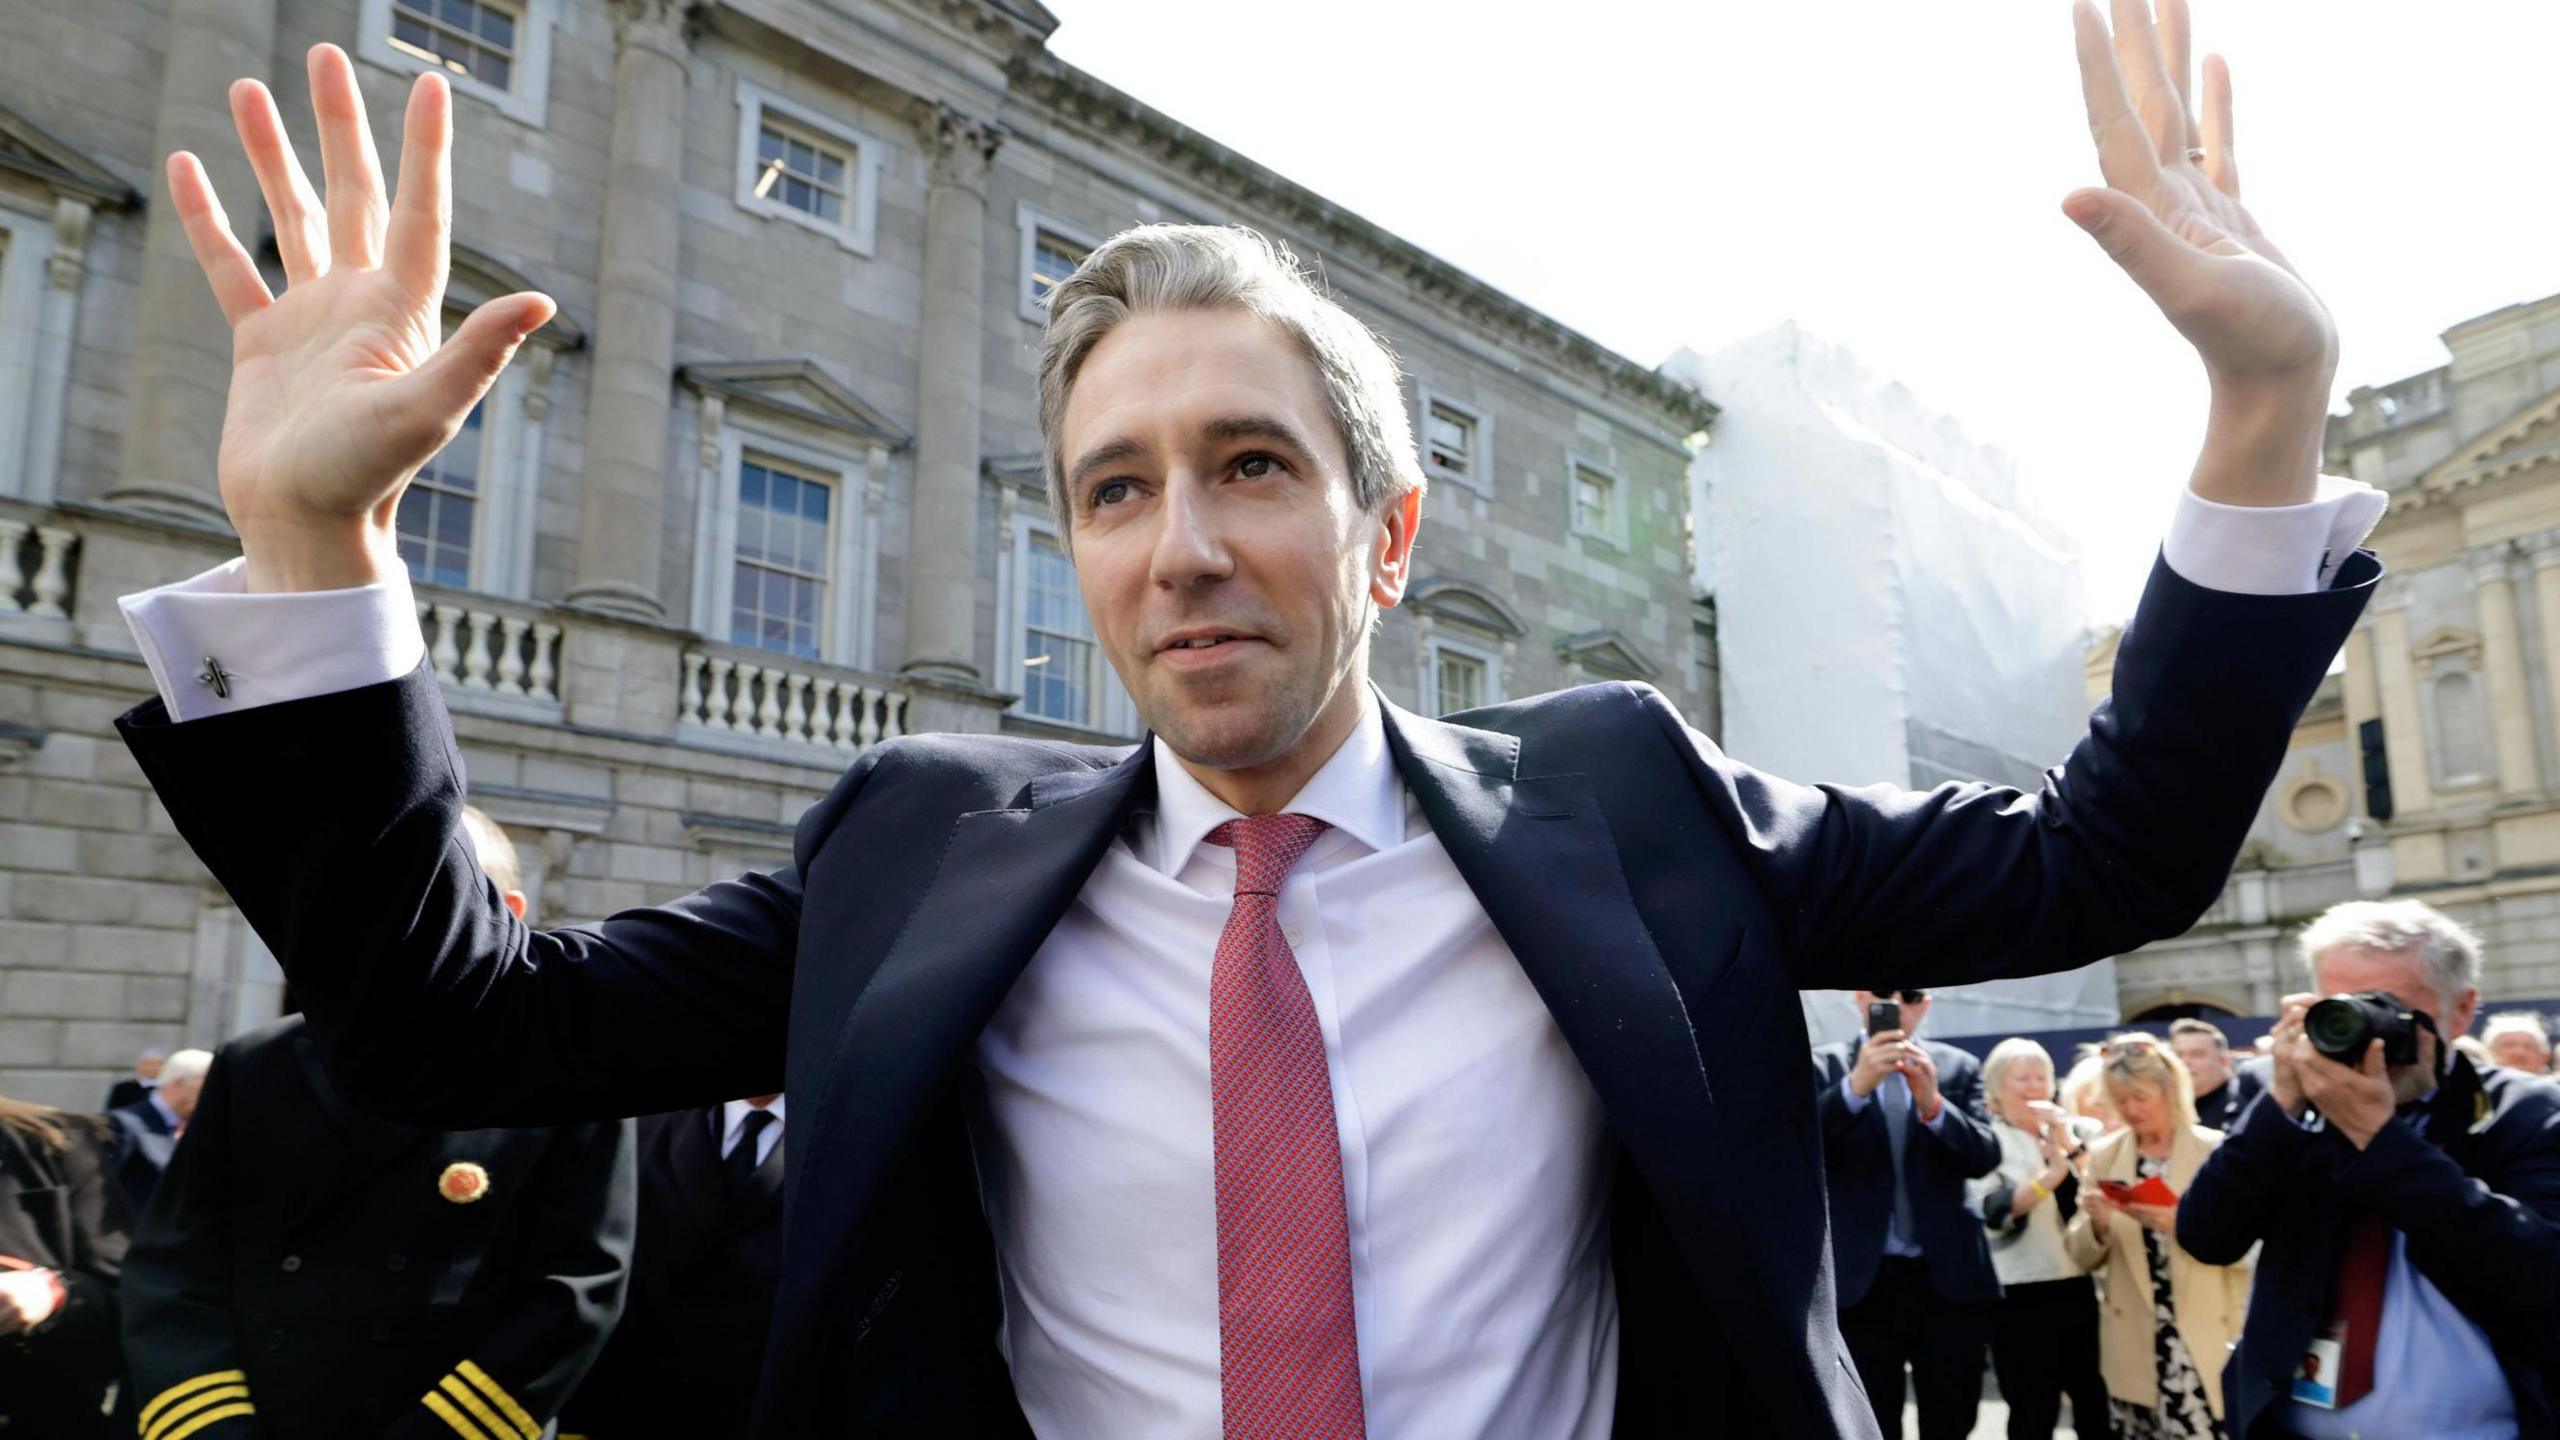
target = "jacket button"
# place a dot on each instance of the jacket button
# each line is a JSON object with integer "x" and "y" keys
{"x": 292, "y": 1263}
{"x": 395, "y": 1261}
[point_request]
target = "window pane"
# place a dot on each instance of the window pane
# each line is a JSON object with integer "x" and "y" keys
{"x": 768, "y": 145}
{"x": 831, "y": 171}
{"x": 496, "y": 71}
{"x": 829, "y": 207}
{"x": 456, "y": 13}
{"x": 453, "y": 523}
{"x": 498, "y": 28}
{"x": 751, "y": 483}
{"x": 1461, "y": 682}
{"x": 409, "y": 31}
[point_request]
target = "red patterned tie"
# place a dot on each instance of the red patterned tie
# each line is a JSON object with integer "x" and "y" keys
{"x": 2363, "y": 1268}
{"x": 1288, "y": 1352}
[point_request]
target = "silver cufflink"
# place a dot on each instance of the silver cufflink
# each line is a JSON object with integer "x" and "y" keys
{"x": 214, "y": 675}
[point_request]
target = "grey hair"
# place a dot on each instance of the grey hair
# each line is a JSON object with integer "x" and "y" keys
{"x": 184, "y": 1066}
{"x": 1995, "y": 1066}
{"x": 2450, "y": 953}
{"x": 1156, "y": 269}
{"x": 496, "y": 852}
{"x": 2517, "y": 1022}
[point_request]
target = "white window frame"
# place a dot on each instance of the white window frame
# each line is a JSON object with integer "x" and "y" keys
{"x": 1432, "y": 649}
{"x": 858, "y": 231}
{"x": 528, "y": 100}
{"x": 1616, "y": 532}
{"x": 29, "y": 350}
{"x": 1482, "y": 480}
{"x": 503, "y": 511}
{"x": 1114, "y": 713}
{"x": 1030, "y": 223}
{"x": 845, "y": 619}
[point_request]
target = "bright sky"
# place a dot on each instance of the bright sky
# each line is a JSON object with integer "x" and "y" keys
{"x": 1668, "y": 172}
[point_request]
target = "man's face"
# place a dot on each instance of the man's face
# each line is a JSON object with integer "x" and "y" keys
{"x": 1913, "y": 1010}
{"x": 1229, "y": 573}
{"x": 2352, "y": 970}
{"x": 2209, "y": 1063}
{"x": 2518, "y": 1050}
{"x": 180, "y": 1097}
{"x": 148, "y": 1067}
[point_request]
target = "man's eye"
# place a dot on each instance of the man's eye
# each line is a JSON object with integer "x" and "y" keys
{"x": 1109, "y": 492}
{"x": 1256, "y": 465}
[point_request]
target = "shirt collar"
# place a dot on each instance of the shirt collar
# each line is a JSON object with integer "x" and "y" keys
{"x": 168, "y": 1116}
{"x": 1356, "y": 792}
{"x": 734, "y": 1114}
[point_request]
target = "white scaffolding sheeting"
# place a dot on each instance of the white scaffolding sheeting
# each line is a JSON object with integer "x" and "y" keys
{"x": 1888, "y": 609}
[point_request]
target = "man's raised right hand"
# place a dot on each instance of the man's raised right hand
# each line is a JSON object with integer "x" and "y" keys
{"x": 344, "y": 386}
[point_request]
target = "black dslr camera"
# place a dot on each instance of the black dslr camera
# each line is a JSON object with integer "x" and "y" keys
{"x": 2341, "y": 1026}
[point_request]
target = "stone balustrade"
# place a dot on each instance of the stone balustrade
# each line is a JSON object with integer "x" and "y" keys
{"x": 35, "y": 568}
{"x": 734, "y": 695}
{"x": 478, "y": 649}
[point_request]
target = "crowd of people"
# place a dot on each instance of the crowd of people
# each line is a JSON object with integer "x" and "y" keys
{"x": 2351, "y": 1228}
{"x": 233, "y": 1250}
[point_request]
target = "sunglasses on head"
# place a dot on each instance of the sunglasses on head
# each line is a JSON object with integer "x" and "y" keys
{"x": 2129, "y": 1045}
{"x": 1907, "y": 997}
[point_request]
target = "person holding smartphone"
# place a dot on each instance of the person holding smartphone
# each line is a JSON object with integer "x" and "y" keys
{"x": 1903, "y": 1129}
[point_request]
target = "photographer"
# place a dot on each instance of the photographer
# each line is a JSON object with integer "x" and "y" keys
{"x": 2408, "y": 1201}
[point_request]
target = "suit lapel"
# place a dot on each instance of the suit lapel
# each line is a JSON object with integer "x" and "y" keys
{"x": 1540, "y": 857}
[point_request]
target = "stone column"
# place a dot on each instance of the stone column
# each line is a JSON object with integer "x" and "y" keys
{"x": 2545, "y": 552}
{"x": 631, "y": 366}
{"x": 2502, "y": 652}
{"x": 2404, "y": 742}
{"x": 942, "y": 552}
{"x": 180, "y": 368}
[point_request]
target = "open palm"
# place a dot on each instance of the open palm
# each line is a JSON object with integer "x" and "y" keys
{"x": 2170, "y": 212}
{"x": 344, "y": 385}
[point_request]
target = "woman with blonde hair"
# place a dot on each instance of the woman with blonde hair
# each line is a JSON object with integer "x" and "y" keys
{"x": 62, "y": 1238}
{"x": 2044, "y": 1337}
{"x": 2167, "y": 1321}
{"x": 2085, "y": 1095}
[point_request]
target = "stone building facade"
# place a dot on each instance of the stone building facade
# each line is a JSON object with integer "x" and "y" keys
{"x": 2429, "y": 766}
{"x": 767, "y": 491}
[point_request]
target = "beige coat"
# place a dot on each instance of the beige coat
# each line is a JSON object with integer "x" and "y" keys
{"x": 2210, "y": 1301}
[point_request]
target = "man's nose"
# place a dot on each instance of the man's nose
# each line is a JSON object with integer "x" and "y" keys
{"x": 1190, "y": 541}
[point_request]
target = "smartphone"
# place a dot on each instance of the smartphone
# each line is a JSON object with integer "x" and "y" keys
{"x": 1883, "y": 1015}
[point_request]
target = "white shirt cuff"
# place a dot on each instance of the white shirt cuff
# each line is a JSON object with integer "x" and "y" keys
{"x": 2271, "y": 549}
{"x": 214, "y": 648}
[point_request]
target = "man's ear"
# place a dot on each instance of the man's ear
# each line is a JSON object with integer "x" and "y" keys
{"x": 1392, "y": 569}
{"x": 2459, "y": 1021}
{"x": 515, "y": 901}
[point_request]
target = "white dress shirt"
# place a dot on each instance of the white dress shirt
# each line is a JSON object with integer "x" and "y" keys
{"x": 1474, "y": 1154}
{"x": 733, "y": 1124}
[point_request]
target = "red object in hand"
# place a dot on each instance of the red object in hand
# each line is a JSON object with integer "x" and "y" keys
{"x": 2153, "y": 1191}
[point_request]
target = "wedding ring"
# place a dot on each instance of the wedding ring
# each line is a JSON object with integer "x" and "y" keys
{"x": 2195, "y": 154}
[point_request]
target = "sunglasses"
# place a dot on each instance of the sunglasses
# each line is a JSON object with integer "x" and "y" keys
{"x": 1907, "y": 997}
{"x": 2129, "y": 1045}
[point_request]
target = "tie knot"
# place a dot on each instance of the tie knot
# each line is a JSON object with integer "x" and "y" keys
{"x": 1267, "y": 847}
{"x": 753, "y": 1126}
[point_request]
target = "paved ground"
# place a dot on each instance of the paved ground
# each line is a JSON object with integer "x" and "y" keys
{"x": 1992, "y": 1424}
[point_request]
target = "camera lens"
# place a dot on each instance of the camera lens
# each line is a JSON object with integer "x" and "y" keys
{"x": 2338, "y": 1028}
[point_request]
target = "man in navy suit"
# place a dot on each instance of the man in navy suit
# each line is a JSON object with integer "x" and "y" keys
{"x": 1312, "y": 1068}
{"x": 147, "y": 1130}
{"x": 1903, "y": 1129}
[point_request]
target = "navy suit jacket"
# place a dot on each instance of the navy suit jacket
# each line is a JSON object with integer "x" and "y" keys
{"x": 1858, "y": 1153}
{"x": 2477, "y": 1194}
{"x": 1665, "y": 901}
{"x": 144, "y": 1143}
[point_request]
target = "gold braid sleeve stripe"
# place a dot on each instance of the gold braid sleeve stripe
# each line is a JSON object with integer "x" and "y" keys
{"x": 184, "y": 1388}
{"x": 211, "y": 1417}
{"x": 195, "y": 1405}
{"x": 460, "y": 1422}
{"x": 498, "y": 1396}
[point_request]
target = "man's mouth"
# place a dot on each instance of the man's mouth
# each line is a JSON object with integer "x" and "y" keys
{"x": 1203, "y": 647}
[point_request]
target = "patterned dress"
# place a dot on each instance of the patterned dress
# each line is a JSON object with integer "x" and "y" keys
{"x": 2182, "y": 1413}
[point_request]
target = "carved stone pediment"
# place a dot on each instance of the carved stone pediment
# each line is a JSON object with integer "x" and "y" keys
{"x": 796, "y": 390}
{"x": 2528, "y": 438}
{"x": 29, "y": 152}
{"x": 1607, "y": 655}
{"x": 1458, "y": 602}
{"x": 2443, "y": 643}
{"x": 478, "y": 277}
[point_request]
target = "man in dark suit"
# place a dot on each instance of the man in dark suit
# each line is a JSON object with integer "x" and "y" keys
{"x": 1903, "y": 1128}
{"x": 145, "y": 1077}
{"x": 311, "y": 1270}
{"x": 1204, "y": 1084}
{"x": 147, "y": 1130}
{"x": 2223, "y": 1089}
{"x": 704, "y": 1269}
{"x": 2409, "y": 1210}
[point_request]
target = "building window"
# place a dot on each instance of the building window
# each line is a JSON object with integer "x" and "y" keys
{"x": 440, "y": 510}
{"x": 498, "y": 51}
{"x": 797, "y": 164}
{"x": 1058, "y": 652}
{"x": 1461, "y": 679}
{"x": 1599, "y": 509}
{"x": 805, "y": 173}
{"x": 778, "y": 580}
{"x": 1051, "y": 251}
{"x": 466, "y": 37}
{"x": 1457, "y": 442}
{"x": 1458, "y": 675}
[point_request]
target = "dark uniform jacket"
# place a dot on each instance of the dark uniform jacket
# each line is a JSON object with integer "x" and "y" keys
{"x": 2475, "y": 1187}
{"x": 308, "y": 1270}
{"x": 1665, "y": 900}
{"x": 684, "y": 1359}
{"x": 1857, "y": 1154}
{"x": 61, "y": 1210}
